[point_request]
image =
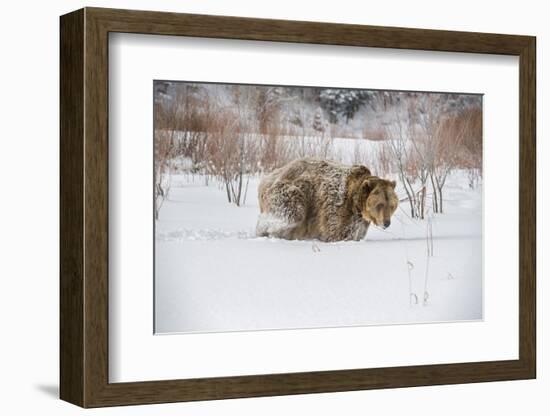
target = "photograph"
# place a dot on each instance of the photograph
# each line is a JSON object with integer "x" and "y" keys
{"x": 282, "y": 207}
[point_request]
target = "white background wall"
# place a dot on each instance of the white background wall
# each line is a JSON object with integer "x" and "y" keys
{"x": 29, "y": 209}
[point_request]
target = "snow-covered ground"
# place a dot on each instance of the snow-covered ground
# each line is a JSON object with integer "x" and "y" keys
{"x": 213, "y": 274}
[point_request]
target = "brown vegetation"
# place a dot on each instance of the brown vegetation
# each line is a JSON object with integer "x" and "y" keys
{"x": 230, "y": 133}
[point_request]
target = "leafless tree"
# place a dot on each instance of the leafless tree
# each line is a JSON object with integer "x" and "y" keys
{"x": 407, "y": 150}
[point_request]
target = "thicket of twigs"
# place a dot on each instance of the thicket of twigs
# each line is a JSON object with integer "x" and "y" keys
{"x": 427, "y": 143}
{"x": 231, "y": 133}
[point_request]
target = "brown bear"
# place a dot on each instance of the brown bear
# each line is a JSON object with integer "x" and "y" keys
{"x": 328, "y": 201}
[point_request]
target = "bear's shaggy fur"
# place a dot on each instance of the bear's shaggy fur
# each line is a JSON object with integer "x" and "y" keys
{"x": 317, "y": 199}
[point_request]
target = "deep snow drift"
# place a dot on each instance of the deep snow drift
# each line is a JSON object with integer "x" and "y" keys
{"x": 213, "y": 274}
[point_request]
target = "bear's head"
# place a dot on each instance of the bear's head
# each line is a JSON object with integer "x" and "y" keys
{"x": 377, "y": 201}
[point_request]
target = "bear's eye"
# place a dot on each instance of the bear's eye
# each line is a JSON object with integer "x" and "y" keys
{"x": 380, "y": 206}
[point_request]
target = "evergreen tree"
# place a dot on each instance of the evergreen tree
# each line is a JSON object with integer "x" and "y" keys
{"x": 329, "y": 99}
{"x": 342, "y": 103}
{"x": 319, "y": 121}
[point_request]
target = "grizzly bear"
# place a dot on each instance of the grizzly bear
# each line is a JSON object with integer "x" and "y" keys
{"x": 328, "y": 201}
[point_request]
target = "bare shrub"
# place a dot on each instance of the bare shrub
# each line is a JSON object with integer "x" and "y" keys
{"x": 232, "y": 152}
{"x": 406, "y": 147}
{"x": 229, "y": 133}
{"x": 384, "y": 161}
{"x": 456, "y": 143}
{"x": 427, "y": 140}
{"x": 275, "y": 149}
{"x": 163, "y": 153}
{"x": 303, "y": 144}
{"x": 375, "y": 132}
{"x": 472, "y": 146}
{"x": 359, "y": 154}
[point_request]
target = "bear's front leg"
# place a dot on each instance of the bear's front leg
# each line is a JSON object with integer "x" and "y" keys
{"x": 360, "y": 230}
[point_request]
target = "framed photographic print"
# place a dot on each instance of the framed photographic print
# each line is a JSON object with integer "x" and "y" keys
{"x": 256, "y": 207}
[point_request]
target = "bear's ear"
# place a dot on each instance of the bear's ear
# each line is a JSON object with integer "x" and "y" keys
{"x": 393, "y": 184}
{"x": 359, "y": 171}
{"x": 360, "y": 195}
{"x": 367, "y": 186}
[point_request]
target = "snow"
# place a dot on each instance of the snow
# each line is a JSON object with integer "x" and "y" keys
{"x": 212, "y": 274}
{"x": 268, "y": 224}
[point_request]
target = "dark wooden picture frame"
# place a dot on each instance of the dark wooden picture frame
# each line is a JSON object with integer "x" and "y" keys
{"x": 84, "y": 215}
